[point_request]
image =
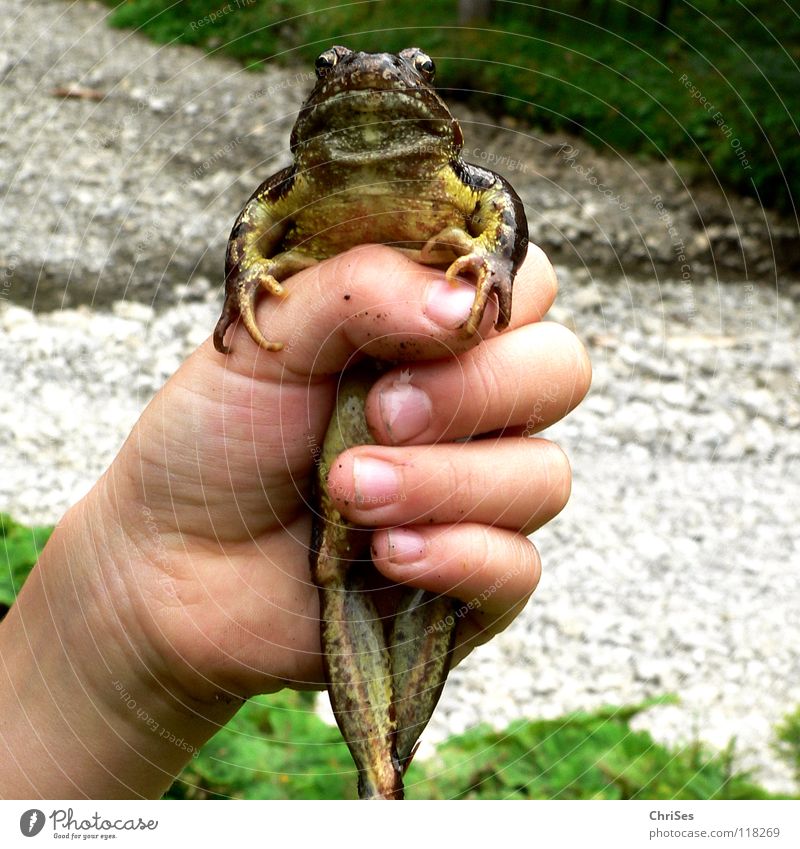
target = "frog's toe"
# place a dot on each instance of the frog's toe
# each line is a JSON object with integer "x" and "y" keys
{"x": 502, "y": 286}
{"x": 258, "y": 337}
{"x": 271, "y": 285}
{"x": 476, "y": 267}
{"x": 247, "y": 308}
{"x": 230, "y": 312}
{"x": 242, "y": 302}
{"x": 450, "y": 242}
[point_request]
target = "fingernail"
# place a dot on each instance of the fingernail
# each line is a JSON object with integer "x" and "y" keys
{"x": 405, "y": 546}
{"x": 405, "y": 409}
{"x": 449, "y": 304}
{"x": 376, "y": 482}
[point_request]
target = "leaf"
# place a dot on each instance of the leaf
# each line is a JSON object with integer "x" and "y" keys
{"x": 19, "y": 549}
{"x": 276, "y": 747}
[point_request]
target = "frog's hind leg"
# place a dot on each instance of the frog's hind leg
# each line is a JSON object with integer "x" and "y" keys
{"x": 356, "y": 659}
{"x": 357, "y": 670}
{"x": 420, "y": 649}
{"x": 355, "y": 656}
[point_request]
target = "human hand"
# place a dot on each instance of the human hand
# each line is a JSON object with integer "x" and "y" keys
{"x": 196, "y": 538}
{"x": 212, "y": 488}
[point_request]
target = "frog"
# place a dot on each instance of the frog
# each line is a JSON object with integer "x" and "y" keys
{"x": 376, "y": 159}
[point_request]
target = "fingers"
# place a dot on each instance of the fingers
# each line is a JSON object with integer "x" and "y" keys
{"x": 374, "y": 300}
{"x": 513, "y": 483}
{"x": 251, "y": 419}
{"x": 528, "y": 378}
{"x": 370, "y": 299}
{"x": 491, "y": 571}
{"x": 488, "y": 569}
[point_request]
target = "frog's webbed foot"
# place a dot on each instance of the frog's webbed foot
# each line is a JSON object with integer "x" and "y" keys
{"x": 490, "y": 270}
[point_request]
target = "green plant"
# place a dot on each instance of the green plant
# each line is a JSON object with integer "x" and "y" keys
{"x": 787, "y": 736}
{"x": 593, "y": 755}
{"x": 277, "y": 748}
{"x": 605, "y": 70}
{"x": 274, "y": 748}
{"x": 19, "y": 549}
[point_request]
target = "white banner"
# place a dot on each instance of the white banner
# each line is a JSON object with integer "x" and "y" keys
{"x": 620, "y": 825}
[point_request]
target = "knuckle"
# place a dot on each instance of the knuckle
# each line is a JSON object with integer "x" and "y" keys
{"x": 505, "y": 565}
{"x": 457, "y": 487}
{"x": 481, "y": 377}
{"x": 582, "y": 365}
{"x": 554, "y": 476}
{"x": 585, "y": 368}
{"x": 575, "y": 358}
{"x": 357, "y": 267}
{"x": 480, "y": 552}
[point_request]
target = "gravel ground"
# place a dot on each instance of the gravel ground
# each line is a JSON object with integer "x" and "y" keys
{"x": 674, "y": 567}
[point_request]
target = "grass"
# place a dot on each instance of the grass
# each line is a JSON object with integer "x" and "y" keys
{"x": 19, "y": 550}
{"x": 715, "y": 91}
{"x": 787, "y": 741}
{"x": 277, "y": 748}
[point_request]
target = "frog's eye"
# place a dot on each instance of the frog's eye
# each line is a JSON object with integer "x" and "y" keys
{"x": 424, "y": 64}
{"x": 325, "y": 62}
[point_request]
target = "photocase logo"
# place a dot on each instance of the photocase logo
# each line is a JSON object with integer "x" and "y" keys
{"x": 65, "y": 824}
{"x": 31, "y": 822}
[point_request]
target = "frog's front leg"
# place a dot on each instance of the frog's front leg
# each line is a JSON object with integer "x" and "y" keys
{"x": 492, "y": 243}
{"x": 254, "y": 260}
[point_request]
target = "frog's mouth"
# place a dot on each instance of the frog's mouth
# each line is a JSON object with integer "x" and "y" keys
{"x": 352, "y": 123}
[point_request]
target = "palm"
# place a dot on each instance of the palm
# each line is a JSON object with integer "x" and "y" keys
{"x": 218, "y": 485}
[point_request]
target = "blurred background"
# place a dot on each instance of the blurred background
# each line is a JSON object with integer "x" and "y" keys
{"x": 656, "y": 149}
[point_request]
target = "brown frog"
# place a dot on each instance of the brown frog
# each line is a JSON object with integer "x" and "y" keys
{"x": 376, "y": 160}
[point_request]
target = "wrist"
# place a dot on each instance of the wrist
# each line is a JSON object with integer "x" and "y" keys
{"x": 88, "y": 710}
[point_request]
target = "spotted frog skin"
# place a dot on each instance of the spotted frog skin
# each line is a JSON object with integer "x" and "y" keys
{"x": 377, "y": 159}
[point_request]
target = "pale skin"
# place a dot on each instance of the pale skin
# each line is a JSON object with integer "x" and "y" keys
{"x": 179, "y": 585}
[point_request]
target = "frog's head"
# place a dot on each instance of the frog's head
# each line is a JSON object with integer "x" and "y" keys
{"x": 368, "y": 105}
